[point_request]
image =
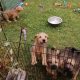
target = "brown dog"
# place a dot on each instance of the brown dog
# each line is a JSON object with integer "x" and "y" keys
{"x": 12, "y": 14}
{"x": 39, "y": 48}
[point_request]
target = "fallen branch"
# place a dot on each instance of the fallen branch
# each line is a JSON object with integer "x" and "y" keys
{"x": 75, "y": 77}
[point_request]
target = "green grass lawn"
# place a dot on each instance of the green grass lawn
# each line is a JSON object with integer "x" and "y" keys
{"x": 35, "y": 20}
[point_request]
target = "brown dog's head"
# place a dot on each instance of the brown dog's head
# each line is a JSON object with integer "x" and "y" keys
{"x": 19, "y": 8}
{"x": 41, "y": 38}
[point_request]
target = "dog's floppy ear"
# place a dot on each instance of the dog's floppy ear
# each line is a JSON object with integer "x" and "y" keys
{"x": 19, "y": 8}
{"x": 36, "y": 36}
{"x": 46, "y": 35}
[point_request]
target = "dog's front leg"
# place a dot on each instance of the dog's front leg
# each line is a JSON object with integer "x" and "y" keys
{"x": 14, "y": 19}
{"x": 33, "y": 57}
{"x": 44, "y": 57}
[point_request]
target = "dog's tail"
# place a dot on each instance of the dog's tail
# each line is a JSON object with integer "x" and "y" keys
{"x": 1, "y": 16}
{"x": 1, "y": 12}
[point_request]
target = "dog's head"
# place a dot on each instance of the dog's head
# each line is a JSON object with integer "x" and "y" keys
{"x": 19, "y": 8}
{"x": 41, "y": 38}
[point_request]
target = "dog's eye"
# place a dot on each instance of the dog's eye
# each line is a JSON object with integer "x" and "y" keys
{"x": 39, "y": 36}
{"x": 45, "y": 36}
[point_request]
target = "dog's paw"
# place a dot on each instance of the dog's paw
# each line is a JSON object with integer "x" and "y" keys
{"x": 44, "y": 63}
{"x": 17, "y": 17}
{"x": 33, "y": 63}
{"x": 15, "y": 20}
{"x": 8, "y": 21}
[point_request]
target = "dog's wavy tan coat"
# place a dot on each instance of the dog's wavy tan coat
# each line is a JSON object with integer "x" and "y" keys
{"x": 39, "y": 48}
{"x": 12, "y": 13}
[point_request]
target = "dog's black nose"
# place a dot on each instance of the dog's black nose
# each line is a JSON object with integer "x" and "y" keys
{"x": 44, "y": 40}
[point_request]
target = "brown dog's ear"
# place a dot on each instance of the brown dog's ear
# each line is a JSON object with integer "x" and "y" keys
{"x": 19, "y": 8}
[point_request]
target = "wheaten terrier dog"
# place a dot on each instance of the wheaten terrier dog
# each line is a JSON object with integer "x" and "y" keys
{"x": 39, "y": 48}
